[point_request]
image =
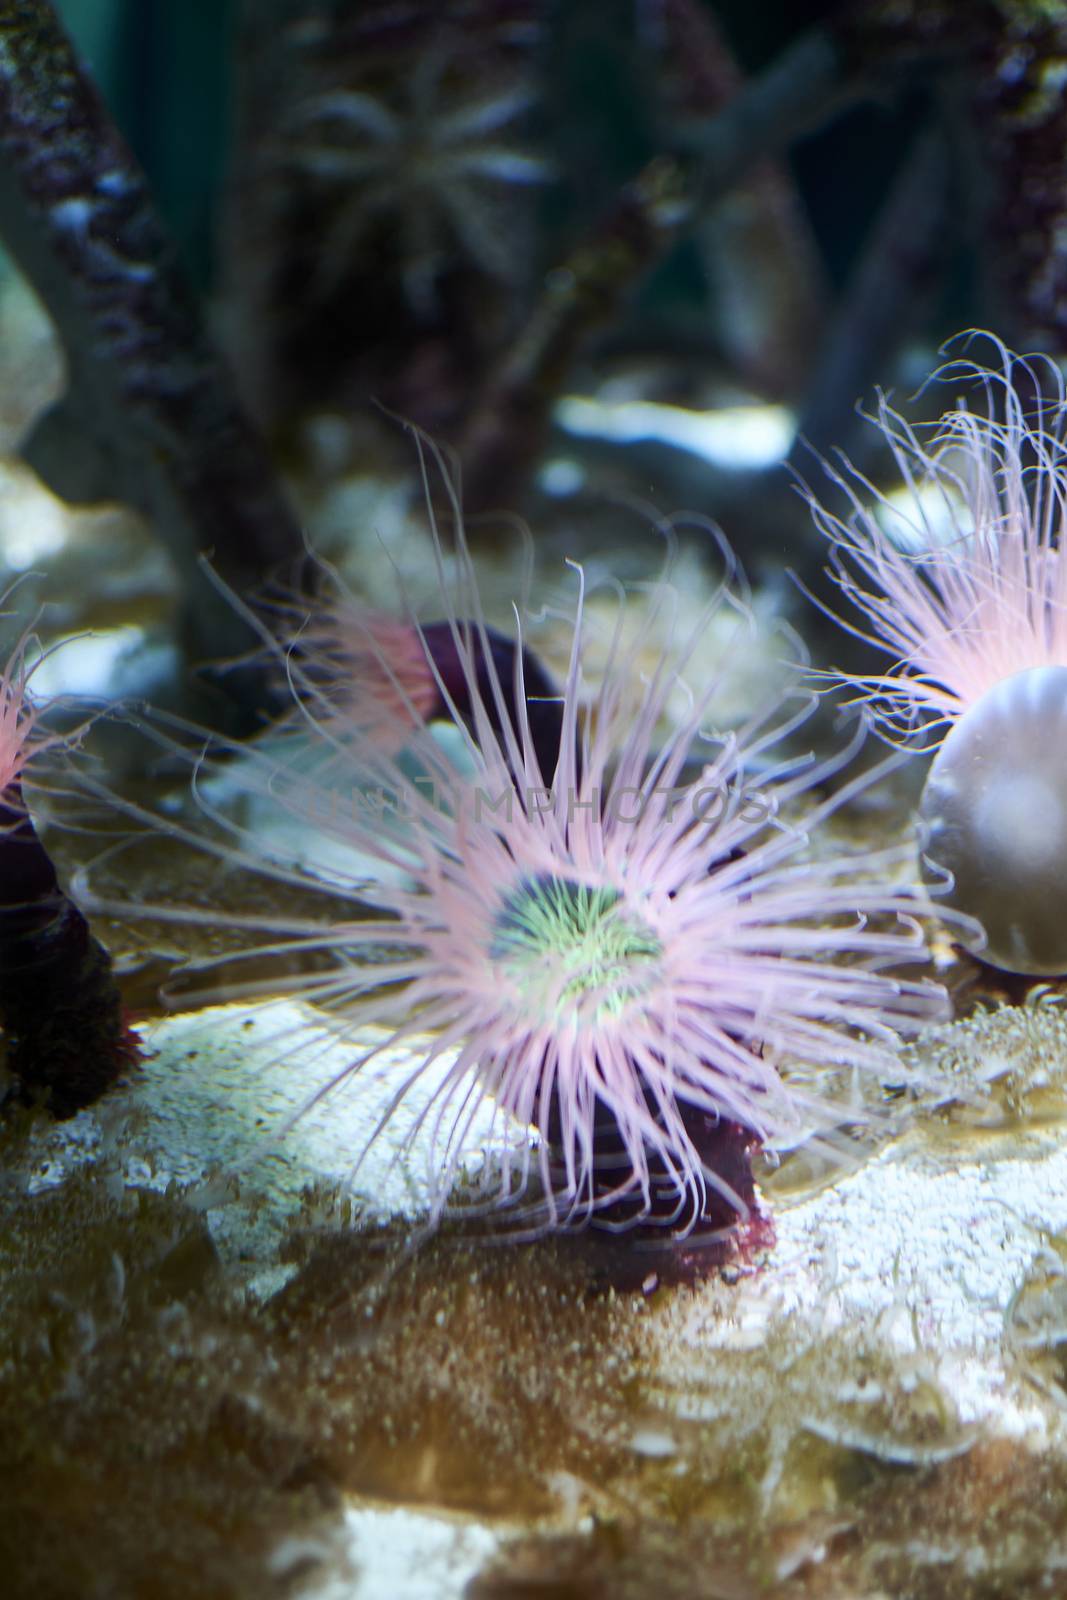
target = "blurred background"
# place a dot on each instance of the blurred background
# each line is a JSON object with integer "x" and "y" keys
{"x": 619, "y": 258}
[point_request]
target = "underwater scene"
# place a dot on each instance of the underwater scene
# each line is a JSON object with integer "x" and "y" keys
{"x": 533, "y": 800}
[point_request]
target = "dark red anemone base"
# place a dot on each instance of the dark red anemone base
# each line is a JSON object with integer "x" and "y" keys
{"x": 64, "y": 1032}
{"x": 446, "y": 644}
{"x": 631, "y": 1247}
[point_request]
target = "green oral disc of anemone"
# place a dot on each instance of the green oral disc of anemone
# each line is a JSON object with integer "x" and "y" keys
{"x": 574, "y": 948}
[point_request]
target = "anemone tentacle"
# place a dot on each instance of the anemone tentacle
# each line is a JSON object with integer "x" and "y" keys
{"x": 980, "y": 593}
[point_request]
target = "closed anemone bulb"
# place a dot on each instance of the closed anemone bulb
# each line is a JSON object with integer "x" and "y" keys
{"x": 361, "y": 673}
{"x": 371, "y": 665}
{"x": 600, "y": 928}
{"x": 995, "y": 806}
{"x": 963, "y": 581}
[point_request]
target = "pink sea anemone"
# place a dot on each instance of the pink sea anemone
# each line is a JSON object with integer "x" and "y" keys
{"x": 65, "y": 1037}
{"x": 356, "y": 666}
{"x": 19, "y": 731}
{"x": 619, "y": 942}
{"x": 971, "y": 605}
{"x": 370, "y": 680}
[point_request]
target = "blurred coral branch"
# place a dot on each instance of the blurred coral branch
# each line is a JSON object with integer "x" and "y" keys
{"x": 653, "y": 212}
{"x": 150, "y": 416}
{"x": 885, "y": 298}
{"x": 1009, "y": 56}
{"x": 765, "y": 280}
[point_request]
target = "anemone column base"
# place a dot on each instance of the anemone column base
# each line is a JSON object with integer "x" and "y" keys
{"x": 65, "y": 1038}
{"x": 638, "y": 1247}
{"x": 65, "y": 1035}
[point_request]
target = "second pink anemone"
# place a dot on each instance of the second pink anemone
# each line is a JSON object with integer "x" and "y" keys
{"x": 961, "y": 579}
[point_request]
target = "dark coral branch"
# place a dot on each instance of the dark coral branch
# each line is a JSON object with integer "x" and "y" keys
{"x": 1010, "y": 55}
{"x": 151, "y": 416}
{"x": 765, "y": 280}
{"x": 65, "y": 1036}
{"x": 508, "y": 420}
{"x": 809, "y": 83}
{"x": 900, "y": 262}
{"x": 1021, "y": 110}
{"x": 653, "y": 212}
{"x": 874, "y": 35}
